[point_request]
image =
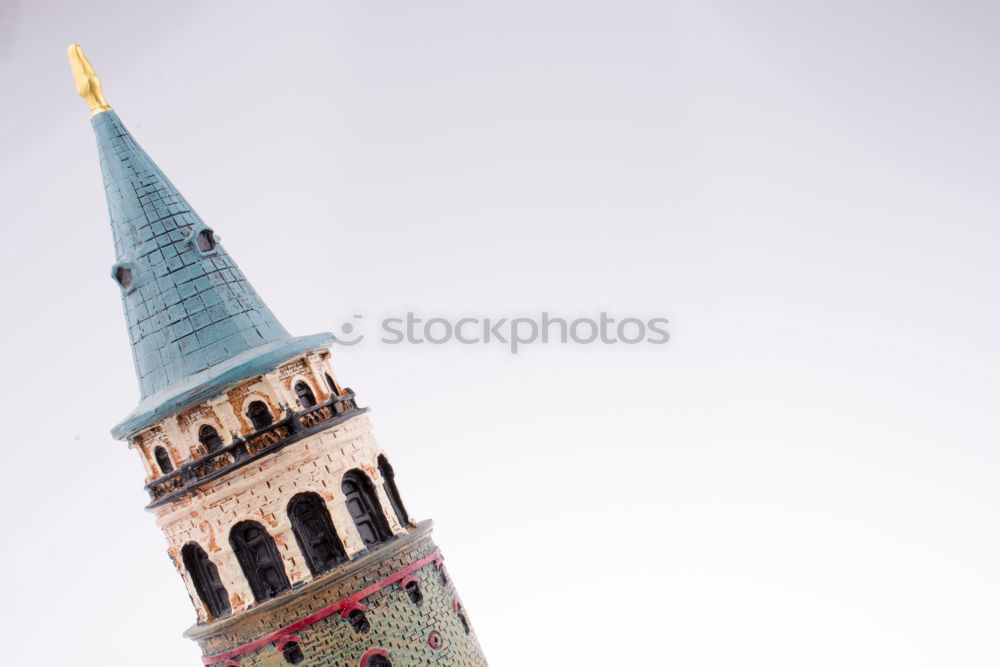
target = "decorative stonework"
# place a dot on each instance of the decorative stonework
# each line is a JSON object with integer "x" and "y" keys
{"x": 180, "y": 435}
{"x": 197, "y": 415}
{"x": 288, "y": 372}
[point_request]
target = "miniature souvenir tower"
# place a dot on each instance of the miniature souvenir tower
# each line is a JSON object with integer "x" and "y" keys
{"x": 280, "y": 510}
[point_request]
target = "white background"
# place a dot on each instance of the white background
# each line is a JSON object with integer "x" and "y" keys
{"x": 805, "y": 475}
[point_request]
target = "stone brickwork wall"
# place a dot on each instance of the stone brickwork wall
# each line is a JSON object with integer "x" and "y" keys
{"x": 261, "y": 492}
{"x": 435, "y": 632}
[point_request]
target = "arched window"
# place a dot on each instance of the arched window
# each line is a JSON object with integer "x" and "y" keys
{"x": 306, "y": 397}
{"x": 389, "y": 484}
{"x": 123, "y": 275}
{"x": 209, "y": 437}
{"x": 332, "y": 384}
{"x": 259, "y": 415}
{"x": 205, "y": 577}
{"x": 378, "y": 660}
{"x": 292, "y": 653}
{"x": 363, "y": 505}
{"x": 163, "y": 460}
{"x": 413, "y": 591}
{"x": 315, "y": 533}
{"x": 359, "y": 622}
{"x": 259, "y": 559}
{"x": 205, "y": 240}
{"x": 461, "y": 616}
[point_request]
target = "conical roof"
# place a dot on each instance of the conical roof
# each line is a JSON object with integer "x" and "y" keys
{"x": 195, "y": 323}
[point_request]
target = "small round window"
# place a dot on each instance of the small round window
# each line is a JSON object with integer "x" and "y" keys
{"x": 205, "y": 240}
{"x": 123, "y": 276}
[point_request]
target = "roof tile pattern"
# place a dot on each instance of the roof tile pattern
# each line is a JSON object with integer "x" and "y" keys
{"x": 188, "y": 307}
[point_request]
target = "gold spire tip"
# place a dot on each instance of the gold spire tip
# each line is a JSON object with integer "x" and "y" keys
{"x": 87, "y": 83}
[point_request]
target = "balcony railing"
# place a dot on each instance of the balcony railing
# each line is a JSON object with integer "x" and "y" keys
{"x": 244, "y": 449}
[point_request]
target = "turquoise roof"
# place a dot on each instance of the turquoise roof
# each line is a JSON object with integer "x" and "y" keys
{"x": 195, "y": 322}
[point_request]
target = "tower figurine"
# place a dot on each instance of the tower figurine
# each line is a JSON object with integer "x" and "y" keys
{"x": 280, "y": 510}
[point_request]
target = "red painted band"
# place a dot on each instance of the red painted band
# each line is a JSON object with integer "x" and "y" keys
{"x": 347, "y": 604}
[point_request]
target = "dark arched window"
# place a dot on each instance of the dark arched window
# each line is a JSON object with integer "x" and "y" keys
{"x": 375, "y": 657}
{"x": 359, "y": 622}
{"x": 332, "y": 384}
{"x": 259, "y": 560}
{"x": 209, "y": 437}
{"x": 163, "y": 460}
{"x": 205, "y": 240}
{"x": 461, "y": 616}
{"x": 306, "y": 397}
{"x": 292, "y": 653}
{"x": 259, "y": 415}
{"x": 389, "y": 484}
{"x": 363, "y": 505}
{"x": 124, "y": 277}
{"x": 205, "y": 577}
{"x": 315, "y": 533}
{"x": 414, "y": 593}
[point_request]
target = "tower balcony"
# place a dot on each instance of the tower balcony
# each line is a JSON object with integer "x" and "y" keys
{"x": 248, "y": 448}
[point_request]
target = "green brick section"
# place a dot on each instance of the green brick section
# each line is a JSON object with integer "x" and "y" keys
{"x": 397, "y": 625}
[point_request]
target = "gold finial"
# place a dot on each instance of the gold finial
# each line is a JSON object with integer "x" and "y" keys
{"x": 87, "y": 83}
